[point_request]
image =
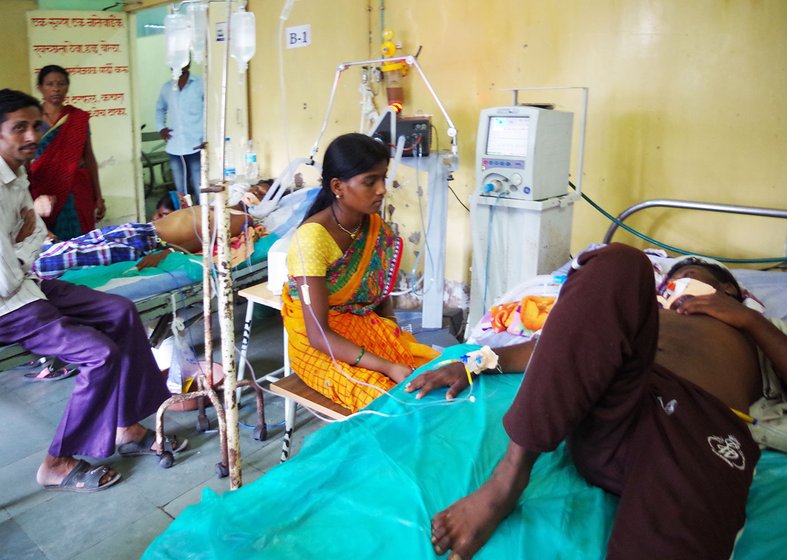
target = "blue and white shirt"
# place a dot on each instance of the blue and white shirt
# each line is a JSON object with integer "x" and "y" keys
{"x": 181, "y": 110}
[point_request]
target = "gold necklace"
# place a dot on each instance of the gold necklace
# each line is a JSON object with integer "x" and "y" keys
{"x": 352, "y": 234}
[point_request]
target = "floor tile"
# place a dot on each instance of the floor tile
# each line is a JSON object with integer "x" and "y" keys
{"x": 16, "y": 544}
{"x": 129, "y": 542}
{"x": 120, "y": 522}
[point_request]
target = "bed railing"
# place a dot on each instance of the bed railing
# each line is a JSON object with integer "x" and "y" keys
{"x": 690, "y": 205}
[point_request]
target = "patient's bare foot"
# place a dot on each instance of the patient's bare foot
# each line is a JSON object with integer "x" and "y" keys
{"x": 55, "y": 469}
{"x": 467, "y": 524}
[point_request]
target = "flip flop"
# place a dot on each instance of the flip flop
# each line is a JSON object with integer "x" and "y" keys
{"x": 48, "y": 374}
{"x": 84, "y": 478}
{"x": 139, "y": 448}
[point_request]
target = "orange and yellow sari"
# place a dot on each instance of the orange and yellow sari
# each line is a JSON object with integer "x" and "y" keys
{"x": 357, "y": 283}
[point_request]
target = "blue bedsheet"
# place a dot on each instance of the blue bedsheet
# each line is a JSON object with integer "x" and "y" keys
{"x": 368, "y": 487}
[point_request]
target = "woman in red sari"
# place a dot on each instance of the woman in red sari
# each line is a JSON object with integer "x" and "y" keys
{"x": 65, "y": 166}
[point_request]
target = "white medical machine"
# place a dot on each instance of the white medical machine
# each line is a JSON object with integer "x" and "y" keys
{"x": 521, "y": 211}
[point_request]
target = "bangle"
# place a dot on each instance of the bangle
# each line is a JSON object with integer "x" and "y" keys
{"x": 358, "y": 359}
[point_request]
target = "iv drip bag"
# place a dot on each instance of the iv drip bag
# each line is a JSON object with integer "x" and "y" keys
{"x": 243, "y": 38}
{"x": 178, "y": 40}
{"x": 198, "y": 18}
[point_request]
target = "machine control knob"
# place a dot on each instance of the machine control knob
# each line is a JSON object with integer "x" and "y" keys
{"x": 516, "y": 179}
{"x": 493, "y": 186}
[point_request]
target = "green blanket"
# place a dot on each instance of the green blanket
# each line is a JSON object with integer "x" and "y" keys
{"x": 185, "y": 267}
{"x": 368, "y": 487}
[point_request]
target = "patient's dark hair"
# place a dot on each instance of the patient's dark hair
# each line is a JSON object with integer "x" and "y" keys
{"x": 12, "y": 100}
{"x": 169, "y": 201}
{"x": 346, "y": 156}
{"x": 720, "y": 273}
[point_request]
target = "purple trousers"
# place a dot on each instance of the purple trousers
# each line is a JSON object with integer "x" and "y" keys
{"x": 118, "y": 383}
{"x": 679, "y": 459}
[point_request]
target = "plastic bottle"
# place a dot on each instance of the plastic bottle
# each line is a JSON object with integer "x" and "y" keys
{"x": 243, "y": 38}
{"x": 229, "y": 161}
{"x": 177, "y": 40}
{"x": 198, "y": 19}
{"x": 250, "y": 160}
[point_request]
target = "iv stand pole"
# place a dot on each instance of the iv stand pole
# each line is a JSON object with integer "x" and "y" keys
{"x": 225, "y": 293}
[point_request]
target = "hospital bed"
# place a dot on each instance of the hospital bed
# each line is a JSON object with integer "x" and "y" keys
{"x": 173, "y": 286}
{"x": 176, "y": 283}
{"x": 367, "y": 487}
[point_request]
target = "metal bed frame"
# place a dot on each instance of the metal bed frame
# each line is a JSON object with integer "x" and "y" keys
{"x": 690, "y": 205}
{"x": 155, "y": 308}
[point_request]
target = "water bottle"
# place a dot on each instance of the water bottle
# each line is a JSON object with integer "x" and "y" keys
{"x": 250, "y": 159}
{"x": 229, "y": 161}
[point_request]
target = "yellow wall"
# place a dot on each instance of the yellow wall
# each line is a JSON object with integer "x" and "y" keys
{"x": 14, "y": 61}
{"x": 686, "y": 99}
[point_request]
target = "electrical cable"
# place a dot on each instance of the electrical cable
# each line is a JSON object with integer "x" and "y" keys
{"x": 458, "y": 199}
{"x": 436, "y": 139}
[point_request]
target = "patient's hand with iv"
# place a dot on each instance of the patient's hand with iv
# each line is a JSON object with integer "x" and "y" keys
{"x": 510, "y": 359}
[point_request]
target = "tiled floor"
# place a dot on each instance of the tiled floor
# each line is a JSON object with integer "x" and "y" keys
{"x": 120, "y": 522}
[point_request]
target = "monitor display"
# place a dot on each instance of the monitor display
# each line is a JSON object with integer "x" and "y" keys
{"x": 508, "y": 136}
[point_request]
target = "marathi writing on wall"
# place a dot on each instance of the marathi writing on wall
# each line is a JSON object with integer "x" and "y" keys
{"x": 94, "y": 48}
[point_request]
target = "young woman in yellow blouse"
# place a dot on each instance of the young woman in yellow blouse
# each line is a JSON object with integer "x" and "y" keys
{"x": 342, "y": 263}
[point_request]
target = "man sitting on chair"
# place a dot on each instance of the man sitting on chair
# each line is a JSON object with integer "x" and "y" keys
{"x": 118, "y": 383}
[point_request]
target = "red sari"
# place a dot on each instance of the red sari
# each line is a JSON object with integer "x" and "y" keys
{"x": 59, "y": 168}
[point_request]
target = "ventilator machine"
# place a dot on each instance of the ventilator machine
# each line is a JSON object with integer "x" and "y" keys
{"x": 521, "y": 211}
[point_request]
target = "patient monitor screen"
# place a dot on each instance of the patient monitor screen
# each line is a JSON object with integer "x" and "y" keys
{"x": 507, "y": 136}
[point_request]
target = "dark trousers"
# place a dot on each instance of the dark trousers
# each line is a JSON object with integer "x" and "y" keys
{"x": 118, "y": 383}
{"x": 679, "y": 459}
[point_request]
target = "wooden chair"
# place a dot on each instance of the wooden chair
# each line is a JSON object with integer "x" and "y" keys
{"x": 290, "y": 386}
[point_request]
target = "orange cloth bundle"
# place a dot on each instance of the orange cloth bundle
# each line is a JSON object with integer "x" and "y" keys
{"x": 502, "y": 314}
{"x": 531, "y": 313}
{"x": 534, "y": 311}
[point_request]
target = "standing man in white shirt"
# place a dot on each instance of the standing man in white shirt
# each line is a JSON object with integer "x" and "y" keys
{"x": 180, "y": 121}
{"x": 118, "y": 383}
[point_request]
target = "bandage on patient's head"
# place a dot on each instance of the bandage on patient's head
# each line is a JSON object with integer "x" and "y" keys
{"x": 716, "y": 269}
{"x": 677, "y": 289}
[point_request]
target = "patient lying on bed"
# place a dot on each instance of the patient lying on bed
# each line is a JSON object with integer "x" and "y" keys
{"x": 649, "y": 400}
{"x": 180, "y": 229}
